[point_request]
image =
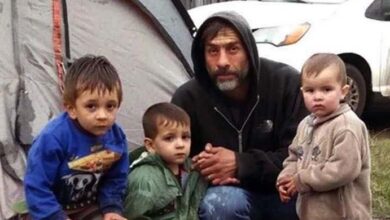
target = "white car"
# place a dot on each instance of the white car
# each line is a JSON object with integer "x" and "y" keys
{"x": 290, "y": 32}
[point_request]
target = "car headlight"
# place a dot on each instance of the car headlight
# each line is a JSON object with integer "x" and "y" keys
{"x": 281, "y": 35}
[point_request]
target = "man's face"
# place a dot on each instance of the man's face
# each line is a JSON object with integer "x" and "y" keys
{"x": 226, "y": 60}
{"x": 95, "y": 110}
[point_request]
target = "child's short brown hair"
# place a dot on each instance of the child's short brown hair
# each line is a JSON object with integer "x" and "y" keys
{"x": 90, "y": 73}
{"x": 163, "y": 113}
{"x": 320, "y": 61}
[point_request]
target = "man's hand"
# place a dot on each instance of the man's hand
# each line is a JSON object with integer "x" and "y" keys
{"x": 113, "y": 216}
{"x": 197, "y": 160}
{"x": 217, "y": 164}
{"x": 227, "y": 181}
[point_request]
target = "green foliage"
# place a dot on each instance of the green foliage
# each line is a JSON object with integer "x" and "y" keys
{"x": 20, "y": 207}
{"x": 380, "y": 175}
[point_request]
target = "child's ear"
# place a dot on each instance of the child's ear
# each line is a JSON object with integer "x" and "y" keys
{"x": 71, "y": 111}
{"x": 345, "y": 91}
{"x": 149, "y": 145}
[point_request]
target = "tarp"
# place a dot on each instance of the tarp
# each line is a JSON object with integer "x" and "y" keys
{"x": 147, "y": 41}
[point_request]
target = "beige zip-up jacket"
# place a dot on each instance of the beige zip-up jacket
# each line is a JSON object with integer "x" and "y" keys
{"x": 330, "y": 162}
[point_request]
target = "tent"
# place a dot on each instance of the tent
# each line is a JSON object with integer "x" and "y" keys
{"x": 148, "y": 41}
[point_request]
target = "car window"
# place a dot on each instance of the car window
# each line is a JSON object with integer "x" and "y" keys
{"x": 379, "y": 10}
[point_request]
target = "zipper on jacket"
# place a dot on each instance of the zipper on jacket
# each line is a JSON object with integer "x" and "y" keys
{"x": 239, "y": 131}
{"x": 342, "y": 201}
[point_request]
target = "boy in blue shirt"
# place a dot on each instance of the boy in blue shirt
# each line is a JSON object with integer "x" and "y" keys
{"x": 77, "y": 166}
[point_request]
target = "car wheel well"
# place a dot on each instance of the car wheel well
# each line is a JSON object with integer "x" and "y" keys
{"x": 361, "y": 64}
{"x": 360, "y": 73}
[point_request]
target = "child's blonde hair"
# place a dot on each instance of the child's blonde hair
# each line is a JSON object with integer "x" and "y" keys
{"x": 320, "y": 61}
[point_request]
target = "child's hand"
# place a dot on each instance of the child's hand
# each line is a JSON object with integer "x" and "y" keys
{"x": 113, "y": 216}
{"x": 291, "y": 187}
{"x": 282, "y": 186}
{"x": 283, "y": 194}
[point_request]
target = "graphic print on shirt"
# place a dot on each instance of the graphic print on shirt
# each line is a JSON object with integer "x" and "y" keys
{"x": 80, "y": 189}
{"x": 95, "y": 162}
{"x": 80, "y": 186}
{"x": 316, "y": 151}
{"x": 299, "y": 152}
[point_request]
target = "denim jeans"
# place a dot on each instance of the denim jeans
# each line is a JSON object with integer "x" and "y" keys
{"x": 234, "y": 203}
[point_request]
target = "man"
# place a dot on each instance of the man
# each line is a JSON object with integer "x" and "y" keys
{"x": 244, "y": 112}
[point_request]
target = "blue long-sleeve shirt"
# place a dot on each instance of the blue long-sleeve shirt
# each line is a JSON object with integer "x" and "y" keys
{"x": 54, "y": 185}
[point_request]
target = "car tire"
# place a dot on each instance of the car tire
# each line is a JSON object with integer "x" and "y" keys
{"x": 357, "y": 95}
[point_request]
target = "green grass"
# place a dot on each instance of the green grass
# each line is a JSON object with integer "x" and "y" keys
{"x": 380, "y": 174}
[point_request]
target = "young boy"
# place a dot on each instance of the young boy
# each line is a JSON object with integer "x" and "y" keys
{"x": 78, "y": 164}
{"x": 329, "y": 159}
{"x": 161, "y": 184}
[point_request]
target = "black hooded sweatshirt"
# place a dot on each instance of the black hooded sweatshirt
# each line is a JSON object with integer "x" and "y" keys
{"x": 260, "y": 130}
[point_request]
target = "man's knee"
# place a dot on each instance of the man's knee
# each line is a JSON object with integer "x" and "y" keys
{"x": 225, "y": 202}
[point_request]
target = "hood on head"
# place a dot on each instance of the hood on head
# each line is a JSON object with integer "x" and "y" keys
{"x": 244, "y": 31}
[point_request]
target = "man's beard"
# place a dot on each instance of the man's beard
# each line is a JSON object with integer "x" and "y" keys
{"x": 229, "y": 85}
